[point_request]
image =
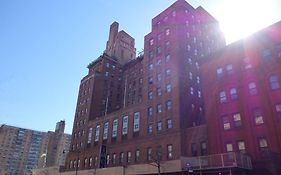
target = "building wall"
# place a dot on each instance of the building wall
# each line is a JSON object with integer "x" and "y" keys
{"x": 256, "y": 131}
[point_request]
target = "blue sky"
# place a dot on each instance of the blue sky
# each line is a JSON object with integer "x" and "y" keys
{"x": 46, "y": 45}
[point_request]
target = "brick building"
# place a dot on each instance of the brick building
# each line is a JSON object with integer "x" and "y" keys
{"x": 241, "y": 88}
{"x": 149, "y": 109}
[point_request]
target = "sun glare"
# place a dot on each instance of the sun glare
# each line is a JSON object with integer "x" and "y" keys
{"x": 240, "y": 18}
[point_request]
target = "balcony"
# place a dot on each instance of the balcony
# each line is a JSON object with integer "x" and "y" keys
{"x": 217, "y": 161}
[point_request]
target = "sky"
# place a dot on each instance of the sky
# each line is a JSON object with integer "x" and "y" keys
{"x": 46, "y": 45}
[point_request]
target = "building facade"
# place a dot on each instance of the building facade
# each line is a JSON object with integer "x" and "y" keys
{"x": 147, "y": 109}
{"x": 22, "y": 150}
{"x": 241, "y": 88}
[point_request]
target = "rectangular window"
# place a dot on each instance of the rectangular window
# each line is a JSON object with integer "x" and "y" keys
{"x": 258, "y": 116}
{"x": 229, "y": 69}
{"x": 158, "y": 50}
{"x": 241, "y": 146}
{"x": 229, "y": 147}
{"x": 136, "y": 121}
{"x": 237, "y": 120}
{"x": 158, "y": 77}
{"x": 150, "y": 111}
{"x": 247, "y": 63}
{"x": 194, "y": 149}
{"x": 168, "y": 88}
{"x": 129, "y": 157}
{"x": 204, "y": 148}
{"x": 252, "y": 88}
{"x": 105, "y": 130}
{"x": 219, "y": 72}
{"x": 97, "y": 133}
{"x": 262, "y": 143}
{"x": 222, "y": 97}
{"x": 159, "y": 108}
{"x": 114, "y": 128}
{"x": 137, "y": 156}
{"x": 226, "y": 123}
{"x": 191, "y": 91}
{"x": 159, "y": 126}
{"x": 114, "y": 159}
{"x": 158, "y": 90}
{"x": 150, "y": 95}
{"x": 90, "y": 132}
{"x": 107, "y": 159}
{"x": 169, "y": 124}
{"x": 121, "y": 158}
{"x": 233, "y": 94}
{"x": 169, "y": 105}
{"x": 278, "y": 110}
{"x": 149, "y": 129}
{"x": 149, "y": 154}
{"x": 168, "y": 58}
{"x": 170, "y": 151}
{"x": 125, "y": 125}
{"x": 168, "y": 72}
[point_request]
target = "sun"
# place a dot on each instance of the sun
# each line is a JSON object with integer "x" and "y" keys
{"x": 240, "y": 18}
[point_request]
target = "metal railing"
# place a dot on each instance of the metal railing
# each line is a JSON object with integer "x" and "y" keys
{"x": 217, "y": 161}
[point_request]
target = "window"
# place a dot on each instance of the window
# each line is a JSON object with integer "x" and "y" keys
{"x": 158, "y": 62}
{"x": 125, "y": 125}
{"x": 107, "y": 159}
{"x": 149, "y": 154}
{"x": 241, "y": 146}
{"x": 233, "y": 93}
{"x": 90, "y": 132}
{"x": 169, "y": 105}
{"x": 149, "y": 129}
{"x": 168, "y": 58}
{"x": 169, "y": 124}
{"x": 150, "y": 95}
{"x": 167, "y": 32}
{"x": 158, "y": 50}
{"x": 129, "y": 156}
{"x": 158, "y": 90}
{"x": 159, "y": 37}
{"x": 229, "y": 68}
{"x": 168, "y": 72}
{"x": 151, "y": 54}
{"x": 278, "y": 110}
{"x": 189, "y": 61}
{"x": 222, "y": 97}
{"x": 170, "y": 151}
{"x": 150, "y": 111}
{"x": 274, "y": 83}
{"x": 219, "y": 72}
{"x": 159, "y": 108}
{"x": 158, "y": 77}
{"x": 266, "y": 54}
{"x": 262, "y": 142}
{"x": 150, "y": 80}
{"x": 226, "y": 123}
{"x": 114, "y": 159}
{"x": 137, "y": 156}
{"x": 159, "y": 126}
{"x": 203, "y": 148}
{"x": 168, "y": 88}
{"x": 190, "y": 75}
{"x": 136, "y": 121}
{"x": 114, "y": 128}
{"x": 278, "y": 49}
{"x": 150, "y": 66}
{"x": 167, "y": 44}
{"x": 106, "y": 74}
{"x": 151, "y": 42}
{"x": 252, "y": 88}
{"x": 198, "y": 80}
{"x": 197, "y": 65}
{"x": 191, "y": 91}
{"x": 194, "y": 149}
{"x": 258, "y": 116}
{"x": 199, "y": 94}
{"x": 121, "y": 158}
{"x": 237, "y": 120}
{"x": 229, "y": 147}
{"x": 247, "y": 63}
{"x": 105, "y": 130}
{"x": 174, "y": 13}
{"x": 97, "y": 133}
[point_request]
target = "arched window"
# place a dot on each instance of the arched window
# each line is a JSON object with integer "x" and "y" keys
{"x": 274, "y": 83}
